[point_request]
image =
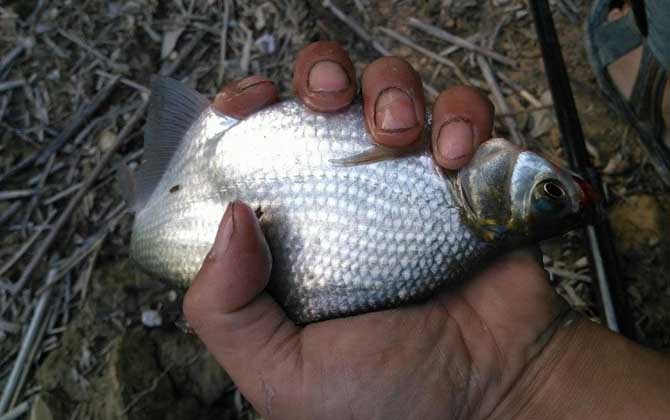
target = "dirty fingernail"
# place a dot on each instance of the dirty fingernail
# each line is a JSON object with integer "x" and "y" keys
{"x": 250, "y": 85}
{"x": 250, "y": 81}
{"x": 455, "y": 140}
{"x": 394, "y": 111}
{"x": 225, "y": 232}
{"x": 327, "y": 76}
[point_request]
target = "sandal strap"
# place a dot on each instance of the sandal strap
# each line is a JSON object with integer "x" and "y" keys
{"x": 647, "y": 96}
{"x": 615, "y": 39}
{"x": 605, "y": 43}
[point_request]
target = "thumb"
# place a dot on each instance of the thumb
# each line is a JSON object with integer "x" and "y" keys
{"x": 242, "y": 326}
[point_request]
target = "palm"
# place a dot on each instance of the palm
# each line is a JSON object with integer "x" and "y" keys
{"x": 451, "y": 350}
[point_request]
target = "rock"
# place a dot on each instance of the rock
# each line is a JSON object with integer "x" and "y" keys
{"x": 106, "y": 140}
{"x": 639, "y": 222}
{"x": 151, "y": 318}
{"x": 266, "y": 44}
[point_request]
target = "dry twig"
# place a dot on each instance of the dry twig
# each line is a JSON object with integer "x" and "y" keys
{"x": 17, "y": 411}
{"x": 65, "y": 215}
{"x": 358, "y": 29}
{"x": 223, "y": 41}
{"x": 440, "y": 59}
{"x": 79, "y": 118}
{"x": 501, "y": 103}
{"x": 461, "y": 42}
{"x": 26, "y": 347}
{"x": 430, "y": 91}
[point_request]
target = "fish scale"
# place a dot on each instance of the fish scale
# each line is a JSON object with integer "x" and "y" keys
{"x": 345, "y": 239}
{"x": 325, "y": 223}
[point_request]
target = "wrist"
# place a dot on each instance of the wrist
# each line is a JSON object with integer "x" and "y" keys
{"x": 587, "y": 372}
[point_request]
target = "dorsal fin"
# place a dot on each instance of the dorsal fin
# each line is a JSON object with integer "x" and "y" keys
{"x": 173, "y": 108}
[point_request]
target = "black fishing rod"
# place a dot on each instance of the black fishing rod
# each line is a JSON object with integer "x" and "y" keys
{"x": 613, "y": 303}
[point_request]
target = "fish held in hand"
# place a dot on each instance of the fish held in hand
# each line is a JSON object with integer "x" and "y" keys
{"x": 352, "y": 227}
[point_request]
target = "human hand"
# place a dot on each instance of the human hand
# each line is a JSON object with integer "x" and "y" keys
{"x": 454, "y": 356}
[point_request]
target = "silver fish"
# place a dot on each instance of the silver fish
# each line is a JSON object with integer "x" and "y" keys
{"x": 345, "y": 237}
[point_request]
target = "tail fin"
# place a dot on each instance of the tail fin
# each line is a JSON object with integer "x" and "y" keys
{"x": 173, "y": 108}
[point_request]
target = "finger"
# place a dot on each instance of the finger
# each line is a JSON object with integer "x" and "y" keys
{"x": 462, "y": 120}
{"x": 324, "y": 77}
{"x": 393, "y": 102}
{"x": 244, "y": 97}
{"x": 242, "y": 326}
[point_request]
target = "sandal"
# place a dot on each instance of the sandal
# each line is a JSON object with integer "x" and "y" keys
{"x": 605, "y": 43}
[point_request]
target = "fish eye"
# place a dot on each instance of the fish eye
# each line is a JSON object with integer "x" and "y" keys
{"x": 553, "y": 189}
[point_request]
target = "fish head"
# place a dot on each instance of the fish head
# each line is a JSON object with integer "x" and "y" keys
{"x": 511, "y": 193}
{"x": 547, "y": 199}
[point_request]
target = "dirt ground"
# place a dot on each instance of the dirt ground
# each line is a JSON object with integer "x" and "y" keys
{"x": 104, "y": 362}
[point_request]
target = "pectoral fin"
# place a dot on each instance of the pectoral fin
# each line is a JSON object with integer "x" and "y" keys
{"x": 377, "y": 153}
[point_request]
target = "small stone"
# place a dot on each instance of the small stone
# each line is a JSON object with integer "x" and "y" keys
{"x": 54, "y": 74}
{"x": 151, "y": 318}
{"x": 106, "y": 141}
{"x": 266, "y": 44}
{"x": 172, "y": 296}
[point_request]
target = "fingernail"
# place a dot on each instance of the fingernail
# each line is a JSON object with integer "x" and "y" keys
{"x": 455, "y": 140}
{"x": 394, "y": 111}
{"x": 225, "y": 232}
{"x": 251, "y": 81}
{"x": 327, "y": 76}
